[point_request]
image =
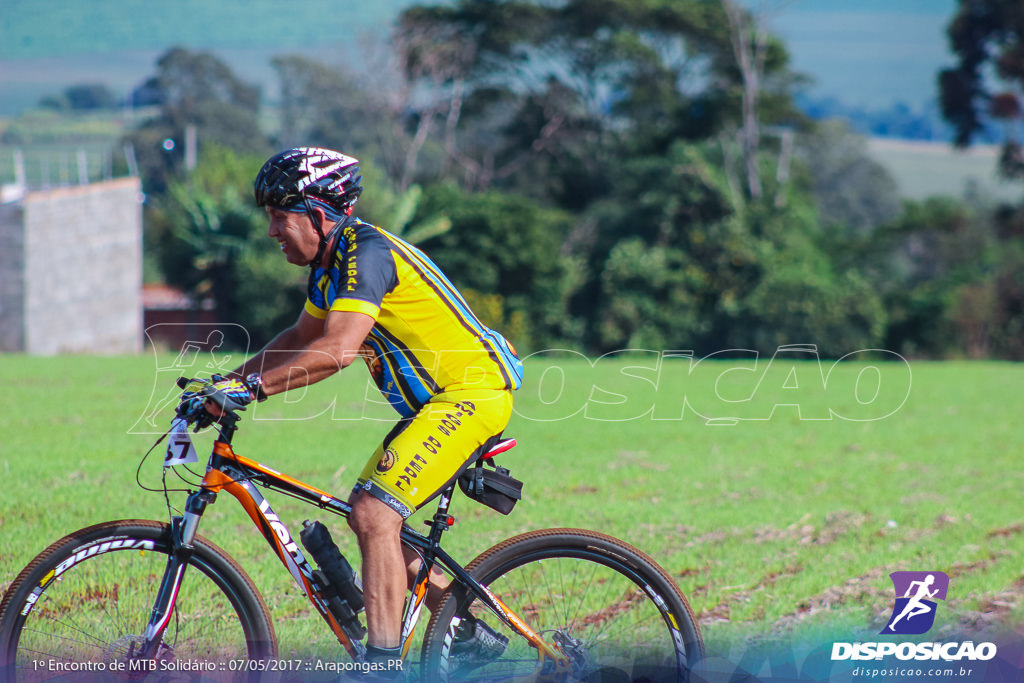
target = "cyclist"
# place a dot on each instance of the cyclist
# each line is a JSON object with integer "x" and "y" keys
{"x": 451, "y": 378}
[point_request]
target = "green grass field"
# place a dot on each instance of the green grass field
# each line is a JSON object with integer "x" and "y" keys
{"x": 773, "y": 526}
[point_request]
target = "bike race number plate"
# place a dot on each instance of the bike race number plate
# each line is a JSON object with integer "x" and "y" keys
{"x": 180, "y": 450}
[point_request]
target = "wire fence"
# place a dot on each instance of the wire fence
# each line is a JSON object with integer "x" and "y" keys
{"x": 59, "y": 165}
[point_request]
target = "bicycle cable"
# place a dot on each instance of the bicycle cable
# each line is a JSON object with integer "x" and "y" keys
{"x": 164, "y": 488}
{"x": 167, "y": 497}
{"x": 195, "y": 474}
{"x": 145, "y": 457}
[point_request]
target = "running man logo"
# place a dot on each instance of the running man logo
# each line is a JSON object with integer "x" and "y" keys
{"x": 916, "y": 596}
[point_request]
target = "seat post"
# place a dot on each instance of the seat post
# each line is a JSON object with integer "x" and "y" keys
{"x": 442, "y": 521}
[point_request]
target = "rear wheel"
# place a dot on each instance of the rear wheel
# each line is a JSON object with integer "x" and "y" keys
{"x": 83, "y": 604}
{"x": 608, "y": 607}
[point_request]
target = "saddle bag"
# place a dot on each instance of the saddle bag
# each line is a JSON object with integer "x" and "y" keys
{"x": 496, "y": 488}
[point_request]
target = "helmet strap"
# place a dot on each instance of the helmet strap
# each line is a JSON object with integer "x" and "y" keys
{"x": 329, "y": 237}
{"x": 314, "y": 218}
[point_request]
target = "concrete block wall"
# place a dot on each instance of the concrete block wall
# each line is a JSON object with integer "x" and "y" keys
{"x": 12, "y": 284}
{"x": 82, "y": 269}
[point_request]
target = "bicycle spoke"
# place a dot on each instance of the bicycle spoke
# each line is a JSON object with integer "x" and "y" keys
{"x": 49, "y": 654}
{"x": 589, "y": 582}
{"x": 605, "y": 614}
{"x": 48, "y": 634}
{"x": 98, "y": 608}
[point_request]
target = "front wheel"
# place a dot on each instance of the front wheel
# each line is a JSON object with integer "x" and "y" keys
{"x": 609, "y": 608}
{"x": 83, "y": 604}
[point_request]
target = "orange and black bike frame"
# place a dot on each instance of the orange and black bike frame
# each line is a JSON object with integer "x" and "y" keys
{"x": 241, "y": 477}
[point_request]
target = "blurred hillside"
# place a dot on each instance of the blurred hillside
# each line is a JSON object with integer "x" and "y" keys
{"x": 44, "y": 47}
{"x": 929, "y": 169}
{"x": 866, "y": 54}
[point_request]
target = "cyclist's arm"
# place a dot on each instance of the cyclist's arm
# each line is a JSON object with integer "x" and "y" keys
{"x": 288, "y": 343}
{"x": 319, "y": 348}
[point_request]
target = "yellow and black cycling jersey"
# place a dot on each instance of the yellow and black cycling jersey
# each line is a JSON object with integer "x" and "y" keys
{"x": 425, "y": 339}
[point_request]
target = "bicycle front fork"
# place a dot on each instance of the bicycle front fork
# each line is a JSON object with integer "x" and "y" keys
{"x": 183, "y": 532}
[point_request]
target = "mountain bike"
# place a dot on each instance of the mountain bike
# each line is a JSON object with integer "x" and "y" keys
{"x": 133, "y": 598}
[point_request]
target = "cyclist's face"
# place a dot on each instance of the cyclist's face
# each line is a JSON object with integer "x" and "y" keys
{"x": 295, "y": 233}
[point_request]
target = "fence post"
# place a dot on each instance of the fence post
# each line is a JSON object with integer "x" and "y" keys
{"x": 129, "y": 156}
{"x": 83, "y": 167}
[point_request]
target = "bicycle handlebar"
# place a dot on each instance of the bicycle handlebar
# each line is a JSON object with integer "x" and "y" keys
{"x": 197, "y": 413}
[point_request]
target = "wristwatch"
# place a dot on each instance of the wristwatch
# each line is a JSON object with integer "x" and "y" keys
{"x": 255, "y": 383}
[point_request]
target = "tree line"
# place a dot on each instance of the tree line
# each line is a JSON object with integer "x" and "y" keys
{"x": 595, "y": 176}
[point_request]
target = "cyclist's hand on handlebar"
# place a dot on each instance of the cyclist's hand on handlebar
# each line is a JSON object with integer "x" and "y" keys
{"x": 192, "y": 402}
{"x": 229, "y": 394}
{"x": 216, "y": 396}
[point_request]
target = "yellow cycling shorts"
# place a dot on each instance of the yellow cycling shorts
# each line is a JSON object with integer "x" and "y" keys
{"x": 426, "y": 452}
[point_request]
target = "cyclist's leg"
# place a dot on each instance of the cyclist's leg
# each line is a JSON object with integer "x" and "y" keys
{"x": 377, "y": 527}
{"x": 423, "y": 454}
{"x": 438, "y": 579}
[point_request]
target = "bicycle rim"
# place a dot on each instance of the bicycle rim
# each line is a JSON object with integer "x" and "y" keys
{"x": 79, "y": 611}
{"x": 609, "y": 608}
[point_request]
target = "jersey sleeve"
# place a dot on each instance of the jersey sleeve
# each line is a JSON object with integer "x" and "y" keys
{"x": 360, "y": 278}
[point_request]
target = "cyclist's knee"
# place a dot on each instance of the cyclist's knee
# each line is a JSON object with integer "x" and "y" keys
{"x": 372, "y": 518}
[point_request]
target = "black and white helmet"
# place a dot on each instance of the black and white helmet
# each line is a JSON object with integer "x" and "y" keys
{"x": 304, "y": 173}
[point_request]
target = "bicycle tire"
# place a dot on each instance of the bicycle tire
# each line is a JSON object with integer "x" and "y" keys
{"x": 83, "y": 603}
{"x": 627, "y": 616}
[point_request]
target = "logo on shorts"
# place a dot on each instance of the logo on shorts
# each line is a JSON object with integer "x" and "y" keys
{"x": 916, "y": 596}
{"x": 387, "y": 461}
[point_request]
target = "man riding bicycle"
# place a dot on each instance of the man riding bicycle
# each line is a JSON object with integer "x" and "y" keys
{"x": 372, "y": 295}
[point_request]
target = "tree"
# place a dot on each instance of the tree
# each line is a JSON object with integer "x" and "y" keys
{"x": 987, "y": 37}
{"x": 673, "y": 261}
{"x": 506, "y": 246}
{"x": 764, "y": 84}
{"x": 210, "y": 240}
{"x": 667, "y": 212}
{"x": 749, "y": 38}
{"x": 803, "y": 298}
{"x": 652, "y": 296}
{"x": 82, "y": 97}
{"x": 327, "y": 107}
{"x": 440, "y": 56}
{"x": 451, "y": 57}
{"x": 1006, "y": 324}
{"x": 986, "y": 84}
{"x": 566, "y": 85}
{"x": 197, "y": 89}
{"x": 923, "y": 264}
{"x": 854, "y": 194}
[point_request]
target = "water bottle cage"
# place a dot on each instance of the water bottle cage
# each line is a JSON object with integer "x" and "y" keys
{"x": 337, "y": 580}
{"x": 339, "y": 607}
